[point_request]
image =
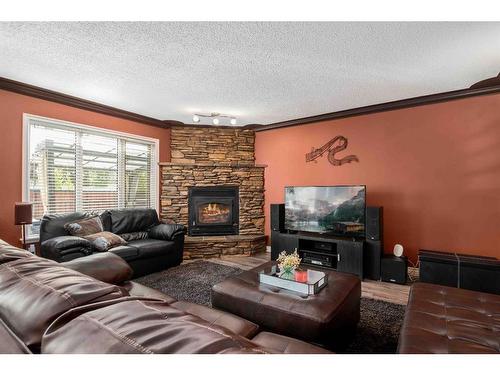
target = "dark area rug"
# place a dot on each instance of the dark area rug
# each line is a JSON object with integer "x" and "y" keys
{"x": 378, "y": 329}
{"x": 190, "y": 282}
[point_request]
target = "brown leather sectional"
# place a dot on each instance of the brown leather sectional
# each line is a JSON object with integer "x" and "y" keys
{"x": 74, "y": 307}
{"x": 442, "y": 320}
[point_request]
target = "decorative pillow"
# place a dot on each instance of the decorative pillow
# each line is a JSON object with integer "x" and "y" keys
{"x": 103, "y": 241}
{"x": 84, "y": 227}
{"x": 134, "y": 236}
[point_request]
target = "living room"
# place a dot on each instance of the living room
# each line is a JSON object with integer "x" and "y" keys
{"x": 250, "y": 188}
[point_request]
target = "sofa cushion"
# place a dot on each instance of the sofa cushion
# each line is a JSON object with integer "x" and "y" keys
{"x": 134, "y": 236}
{"x": 140, "y": 327}
{"x": 107, "y": 267}
{"x": 9, "y": 253}
{"x": 150, "y": 248}
{"x": 52, "y": 225}
{"x": 35, "y": 291}
{"x": 139, "y": 290}
{"x": 235, "y": 324}
{"x": 166, "y": 232}
{"x": 126, "y": 252}
{"x": 440, "y": 319}
{"x": 103, "y": 241}
{"x": 85, "y": 227}
{"x": 286, "y": 345}
{"x": 9, "y": 343}
{"x": 129, "y": 220}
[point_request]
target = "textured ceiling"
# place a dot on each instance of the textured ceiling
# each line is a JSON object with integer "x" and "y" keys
{"x": 259, "y": 72}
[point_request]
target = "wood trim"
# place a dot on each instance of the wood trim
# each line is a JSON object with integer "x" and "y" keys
{"x": 222, "y": 127}
{"x": 389, "y": 106}
{"x": 73, "y": 101}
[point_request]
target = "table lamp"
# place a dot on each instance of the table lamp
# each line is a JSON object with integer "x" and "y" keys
{"x": 23, "y": 213}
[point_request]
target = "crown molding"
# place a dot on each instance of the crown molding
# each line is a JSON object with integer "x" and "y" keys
{"x": 73, "y": 101}
{"x": 383, "y": 107}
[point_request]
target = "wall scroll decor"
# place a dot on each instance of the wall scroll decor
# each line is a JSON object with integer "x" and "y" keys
{"x": 335, "y": 145}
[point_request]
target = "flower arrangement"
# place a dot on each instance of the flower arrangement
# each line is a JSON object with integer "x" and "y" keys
{"x": 288, "y": 263}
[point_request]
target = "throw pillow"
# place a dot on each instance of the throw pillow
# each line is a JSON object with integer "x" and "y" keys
{"x": 84, "y": 227}
{"x": 134, "y": 236}
{"x": 103, "y": 241}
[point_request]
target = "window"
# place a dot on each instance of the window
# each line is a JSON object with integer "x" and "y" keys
{"x": 70, "y": 167}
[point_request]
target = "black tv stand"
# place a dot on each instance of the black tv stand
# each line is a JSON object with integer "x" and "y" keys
{"x": 321, "y": 250}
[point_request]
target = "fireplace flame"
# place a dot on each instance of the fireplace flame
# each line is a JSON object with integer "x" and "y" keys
{"x": 213, "y": 209}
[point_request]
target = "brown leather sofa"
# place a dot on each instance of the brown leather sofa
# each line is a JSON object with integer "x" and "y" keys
{"x": 88, "y": 306}
{"x": 441, "y": 319}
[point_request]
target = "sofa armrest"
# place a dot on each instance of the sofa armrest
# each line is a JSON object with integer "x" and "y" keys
{"x": 166, "y": 232}
{"x": 57, "y": 248}
{"x": 107, "y": 267}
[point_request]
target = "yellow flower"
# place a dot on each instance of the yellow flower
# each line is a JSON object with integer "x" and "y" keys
{"x": 289, "y": 260}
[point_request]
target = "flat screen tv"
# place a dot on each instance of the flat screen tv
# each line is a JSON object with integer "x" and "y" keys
{"x": 334, "y": 210}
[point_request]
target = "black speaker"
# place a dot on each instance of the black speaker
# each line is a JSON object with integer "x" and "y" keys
{"x": 394, "y": 269}
{"x": 278, "y": 217}
{"x": 374, "y": 221}
{"x": 372, "y": 255}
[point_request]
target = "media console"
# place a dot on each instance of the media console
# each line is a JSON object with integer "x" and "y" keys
{"x": 340, "y": 254}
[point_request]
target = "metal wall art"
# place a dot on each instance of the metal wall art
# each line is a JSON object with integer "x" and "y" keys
{"x": 335, "y": 145}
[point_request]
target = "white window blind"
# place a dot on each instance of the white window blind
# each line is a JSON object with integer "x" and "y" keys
{"x": 77, "y": 168}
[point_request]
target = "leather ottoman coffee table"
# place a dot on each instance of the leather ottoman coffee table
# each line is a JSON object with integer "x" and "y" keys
{"x": 328, "y": 318}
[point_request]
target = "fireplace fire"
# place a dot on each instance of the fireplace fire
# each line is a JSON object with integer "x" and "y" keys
{"x": 213, "y": 213}
{"x": 213, "y": 210}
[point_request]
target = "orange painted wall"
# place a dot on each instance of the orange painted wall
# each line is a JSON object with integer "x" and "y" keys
{"x": 12, "y": 107}
{"x": 434, "y": 168}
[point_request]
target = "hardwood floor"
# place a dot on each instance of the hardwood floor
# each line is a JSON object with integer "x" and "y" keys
{"x": 388, "y": 292}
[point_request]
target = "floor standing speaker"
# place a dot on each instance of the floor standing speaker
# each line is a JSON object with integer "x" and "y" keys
{"x": 374, "y": 223}
{"x": 278, "y": 217}
{"x": 372, "y": 255}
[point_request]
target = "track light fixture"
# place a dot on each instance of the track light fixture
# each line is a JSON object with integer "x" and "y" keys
{"x": 216, "y": 118}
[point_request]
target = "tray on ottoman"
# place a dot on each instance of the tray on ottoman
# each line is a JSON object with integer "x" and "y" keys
{"x": 315, "y": 281}
{"x": 328, "y": 318}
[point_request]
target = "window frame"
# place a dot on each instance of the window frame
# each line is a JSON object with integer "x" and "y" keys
{"x": 154, "y": 142}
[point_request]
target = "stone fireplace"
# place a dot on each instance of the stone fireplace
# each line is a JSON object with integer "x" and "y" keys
{"x": 213, "y": 187}
{"x": 213, "y": 210}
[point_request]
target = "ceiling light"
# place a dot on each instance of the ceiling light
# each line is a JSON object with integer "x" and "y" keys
{"x": 216, "y": 118}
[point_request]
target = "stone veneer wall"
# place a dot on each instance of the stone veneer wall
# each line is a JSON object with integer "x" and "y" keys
{"x": 192, "y": 144}
{"x": 210, "y": 156}
{"x": 178, "y": 177}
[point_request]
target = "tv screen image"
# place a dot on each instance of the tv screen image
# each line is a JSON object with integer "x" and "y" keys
{"x": 336, "y": 210}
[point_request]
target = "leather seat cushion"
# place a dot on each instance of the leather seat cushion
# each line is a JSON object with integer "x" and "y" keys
{"x": 235, "y": 324}
{"x": 315, "y": 318}
{"x": 9, "y": 343}
{"x": 140, "y": 327}
{"x": 34, "y": 291}
{"x": 286, "y": 345}
{"x": 139, "y": 290}
{"x": 107, "y": 267}
{"x": 8, "y": 253}
{"x": 150, "y": 248}
{"x": 125, "y": 252}
{"x": 441, "y": 319}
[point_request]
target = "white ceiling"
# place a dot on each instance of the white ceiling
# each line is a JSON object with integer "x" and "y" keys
{"x": 260, "y": 72}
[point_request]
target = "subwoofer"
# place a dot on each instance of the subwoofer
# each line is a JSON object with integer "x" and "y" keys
{"x": 374, "y": 223}
{"x": 372, "y": 256}
{"x": 394, "y": 269}
{"x": 278, "y": 217}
